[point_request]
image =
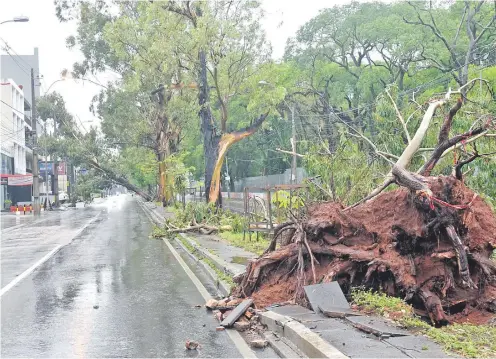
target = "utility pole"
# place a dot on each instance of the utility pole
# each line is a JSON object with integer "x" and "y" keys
{"x": 46, "y": 166}
{"x": 293, "y": 146}
{"x": 36, "y": 178}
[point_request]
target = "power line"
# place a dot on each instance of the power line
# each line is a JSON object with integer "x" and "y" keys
{"x": 8, "y": 48}
{"x": 5, "y": 103}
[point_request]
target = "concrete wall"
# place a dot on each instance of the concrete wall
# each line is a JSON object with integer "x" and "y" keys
{"x": 271, "y": 180}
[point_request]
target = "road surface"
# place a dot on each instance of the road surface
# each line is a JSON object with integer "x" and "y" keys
{"x": 111, "y": 292}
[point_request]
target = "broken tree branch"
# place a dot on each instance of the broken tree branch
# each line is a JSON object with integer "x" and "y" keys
{"x": 436, "y": 155}
{"x": 410, "y": 150}
{"x": 448, "y": 121}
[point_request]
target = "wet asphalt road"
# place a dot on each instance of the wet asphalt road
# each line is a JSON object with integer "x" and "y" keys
{"x": 111, "y": 292}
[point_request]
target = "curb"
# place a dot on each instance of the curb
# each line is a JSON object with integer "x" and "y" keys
{"x": 281, "y": 346}
{"x": 223, "y": 287}
{"x": 311, "y": 344}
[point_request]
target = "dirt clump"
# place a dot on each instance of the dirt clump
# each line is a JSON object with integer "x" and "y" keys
{"x": 431, "y": 247}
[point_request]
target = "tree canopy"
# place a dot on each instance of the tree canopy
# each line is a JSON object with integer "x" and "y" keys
{"x": 196, "y": 82}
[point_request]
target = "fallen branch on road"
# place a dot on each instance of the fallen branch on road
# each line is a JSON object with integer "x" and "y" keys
{"x": 202, "y": 228}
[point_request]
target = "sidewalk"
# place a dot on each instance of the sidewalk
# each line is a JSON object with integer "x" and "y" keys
{"x": 337, "y": 334}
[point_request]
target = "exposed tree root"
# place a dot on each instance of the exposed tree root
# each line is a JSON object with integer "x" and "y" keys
{"x": 429, "y": 243}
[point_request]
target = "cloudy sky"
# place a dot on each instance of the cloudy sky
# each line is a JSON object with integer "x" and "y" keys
{"x": 283, "y": 18}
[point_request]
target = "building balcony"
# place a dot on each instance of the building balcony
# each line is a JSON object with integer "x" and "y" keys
{"x": 27, "y": 119}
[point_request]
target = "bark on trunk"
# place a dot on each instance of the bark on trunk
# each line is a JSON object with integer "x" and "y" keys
{"x": 210, "y": 137}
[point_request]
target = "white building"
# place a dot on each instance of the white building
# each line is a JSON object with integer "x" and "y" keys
{"x": 13, "y": 127}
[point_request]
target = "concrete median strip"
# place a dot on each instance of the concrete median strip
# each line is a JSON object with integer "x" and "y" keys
{"x": 31, "y": 269}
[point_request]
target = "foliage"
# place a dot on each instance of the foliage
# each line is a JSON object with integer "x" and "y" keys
{"x": 88, "y": 184}
{"x": 158, "y": 232}
{"x": 285, "y": 199}
{"x": 468, "y": 340}
{"x": 333, "y": 79}
{"x": 207, "y": 213}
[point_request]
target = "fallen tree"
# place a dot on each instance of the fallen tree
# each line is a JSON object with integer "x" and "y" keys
{"x": 429, "y": 241}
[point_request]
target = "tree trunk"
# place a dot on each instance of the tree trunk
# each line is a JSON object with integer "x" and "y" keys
{"x": 119, "y": 180}
{"x": 210, "y": 138}
{"x": 211, "y": 151}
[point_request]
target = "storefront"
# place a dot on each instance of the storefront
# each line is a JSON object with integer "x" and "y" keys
{"x": 16, "y": 189}
{"x": 7, "y": 169}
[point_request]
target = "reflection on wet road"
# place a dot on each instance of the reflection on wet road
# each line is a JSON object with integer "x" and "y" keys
{"x": 112, "y": 292}
{"x": 22, "y": 247}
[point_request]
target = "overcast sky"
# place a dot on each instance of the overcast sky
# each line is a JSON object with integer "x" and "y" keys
{"x": 283, "y": 18}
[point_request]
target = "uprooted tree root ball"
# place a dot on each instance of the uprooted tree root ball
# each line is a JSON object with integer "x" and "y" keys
{"x": 429, "y": 243}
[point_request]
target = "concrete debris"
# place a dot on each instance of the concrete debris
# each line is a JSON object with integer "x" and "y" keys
{"x": 237, "y": 312}
{"x": 218, "y": 315}
{"x": 234, "y": 302}
{"x": 259, "y": 343}
{"x": 226, "y": 314}
{"x": 212, "y": 304}
{"x": 192, "y": 345}
{"x": 241, "y": 326}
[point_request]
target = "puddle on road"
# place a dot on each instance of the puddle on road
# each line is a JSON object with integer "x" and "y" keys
{"x": 239, "y": 260}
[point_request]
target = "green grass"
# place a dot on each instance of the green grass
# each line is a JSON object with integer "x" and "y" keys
{"x": 472, "y": 341}
{"x": 254, "y": 246}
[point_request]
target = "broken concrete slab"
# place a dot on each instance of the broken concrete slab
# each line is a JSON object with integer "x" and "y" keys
{"x": 332, "y": 312}
{"x": 325, "y": 295}
{"x": 307, "y": 318}
{"x": 377, "y": 326}
{"x": 290, "y": 310}
{"x": 331, "y": 324}
{"x": 355, "y": 344}
{"x": 236, "y": 313}
{"x": 417, "y": 346}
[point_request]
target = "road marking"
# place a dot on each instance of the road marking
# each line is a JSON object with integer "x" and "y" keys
{"x": 237, "y": 339}
{"x": 31, "y": 269}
